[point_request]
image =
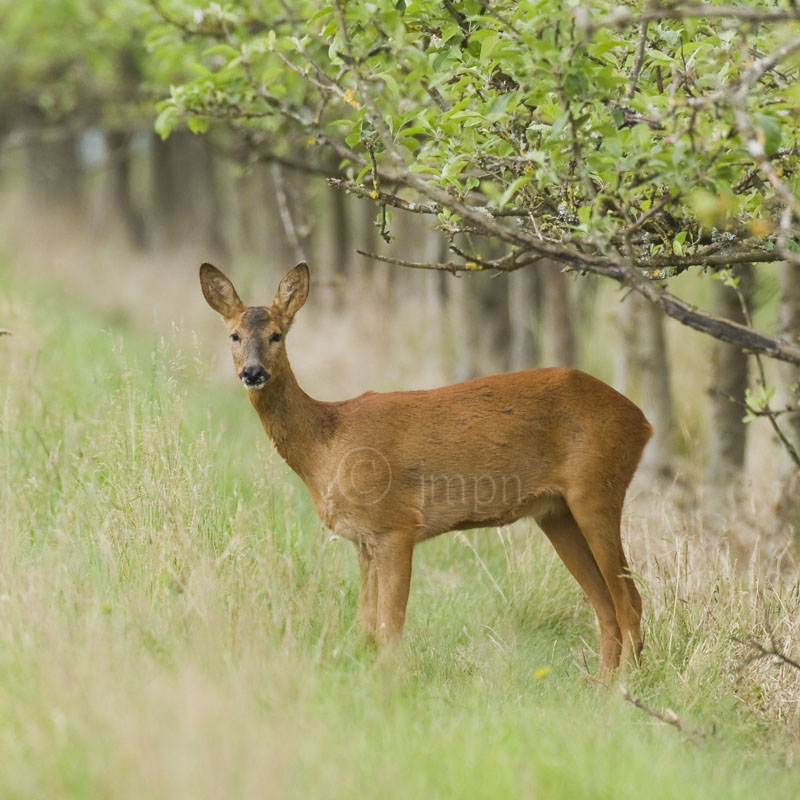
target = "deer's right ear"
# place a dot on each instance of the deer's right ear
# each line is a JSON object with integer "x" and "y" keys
{"x": 219, "y": 292}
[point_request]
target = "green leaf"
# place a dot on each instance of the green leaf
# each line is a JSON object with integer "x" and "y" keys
{"x": 677, "y": 244}
{"x": 513, "y": 189}
{"x": 198, "y": 124}
{"x": 487, "y": 46}
{"x": 449, "y": 31}
{"x": 770, "y": 128}
{"x": 657, "y": 55}
{"x": 497, "y": 108}
{"x": 641, "y": 135}
{"x": 558, "y": 123}
{"x": 166, "y": 121}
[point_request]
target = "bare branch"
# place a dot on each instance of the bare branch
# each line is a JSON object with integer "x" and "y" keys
{"x": 448, "y": 266}
{"x": 638, "y": 59}
{"x": 711, "y": 259}
{"x": 765, "y": 64}
{"x": 624, "y": 17}
{"x": 756, "y": 149}
{"x": 773, "y": 651}
{"x": 383, "y": 197}
{"x": 669, "y": 717}
{"x": 762, "y": 382}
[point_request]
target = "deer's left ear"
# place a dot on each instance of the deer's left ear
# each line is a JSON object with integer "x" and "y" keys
{"x": 293, "y": 290}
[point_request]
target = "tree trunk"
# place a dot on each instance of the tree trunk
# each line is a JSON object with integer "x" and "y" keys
{"x": 559, "y": 336}
{"x": 523, "y": 311}
{"x": 656, "y": 392}
{"x": 120, "y": 186}
{"x": 184, "y": 194}
{"x": 54, "y": 172}
{"x": 788, "y": 509}
{"x": 727, "y": 432}
{"x": 463, "y": 305}
{"x": 282, "y": 250}
{"x": 341, "y": 244}
{"x": 641, "y": 372}
{"x": 494, "y": 311}
{"x": 626, "y": 355}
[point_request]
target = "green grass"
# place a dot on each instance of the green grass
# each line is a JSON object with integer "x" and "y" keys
{"x": 175, "y": 623}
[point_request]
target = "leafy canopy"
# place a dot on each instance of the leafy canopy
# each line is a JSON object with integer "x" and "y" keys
{"x": 587, "y": 129}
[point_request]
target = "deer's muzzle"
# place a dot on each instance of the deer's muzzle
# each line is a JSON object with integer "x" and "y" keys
{"x": 254, "y": 377}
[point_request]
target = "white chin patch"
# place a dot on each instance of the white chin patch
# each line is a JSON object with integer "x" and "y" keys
{"x": 254, "y": 385}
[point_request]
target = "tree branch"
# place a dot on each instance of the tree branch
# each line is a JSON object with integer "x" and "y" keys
{"x": 669, "y": 717}
{"x": 773, "y": 651}
{"x": 638, "y": 59}
{"x": 623, "y": 17}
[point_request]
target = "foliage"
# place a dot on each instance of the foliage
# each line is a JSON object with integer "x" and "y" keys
{"x": 76, "y": 64}
{"x": 594, "y": 132}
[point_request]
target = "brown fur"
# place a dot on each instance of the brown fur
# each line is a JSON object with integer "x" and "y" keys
{"x": 390, "y": 470}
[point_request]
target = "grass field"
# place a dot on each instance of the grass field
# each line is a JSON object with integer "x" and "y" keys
{"x": 174, "y": 622}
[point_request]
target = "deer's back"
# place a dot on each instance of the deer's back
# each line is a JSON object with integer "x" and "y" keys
{"x": 485, "y": 451}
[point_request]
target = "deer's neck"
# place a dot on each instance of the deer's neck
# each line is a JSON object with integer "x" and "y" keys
{"x": 298, "y": 425}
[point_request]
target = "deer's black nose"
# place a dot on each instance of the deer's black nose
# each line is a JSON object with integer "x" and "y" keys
{"x": 254, "y": 376}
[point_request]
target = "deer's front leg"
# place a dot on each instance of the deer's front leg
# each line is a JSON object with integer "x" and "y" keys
{"x": 392, "y": 555}
{"x": 368, "y": 596}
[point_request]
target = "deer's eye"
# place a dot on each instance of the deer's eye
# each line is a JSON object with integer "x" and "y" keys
{"x": 276, "y": 337}
{"x": 234, "y": 337}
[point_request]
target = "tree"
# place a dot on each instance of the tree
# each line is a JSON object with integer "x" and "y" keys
{"x": 729, "y": 385}
{"x": 632, "y": 143}
{"x": 788, "y": 508}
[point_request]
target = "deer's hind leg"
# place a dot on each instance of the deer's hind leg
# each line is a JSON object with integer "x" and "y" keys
{"x": 599, "y": 519}
{"x": 570, "y": 544}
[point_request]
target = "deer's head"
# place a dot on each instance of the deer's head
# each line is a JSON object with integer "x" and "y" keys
{"x": 257, "y": 332}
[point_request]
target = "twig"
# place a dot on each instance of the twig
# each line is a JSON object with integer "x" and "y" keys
{"x": 638, "y": 59}
{"x": 448, "y": 266}
{"x": 764, "y": 65}
{"x": 5, "y": 332}
{"x": 651, "y": 212}
{"x": 773, "y": 651}
{"x": 623, "y": 17}
{"x": 756, "y": 150}
{"x": 285, "y": 212}
{"x": 508, "y": 25}
{"x": 762, "y": 381}
{"x": 669, "y": 717}
{"x": 457, "y": 16}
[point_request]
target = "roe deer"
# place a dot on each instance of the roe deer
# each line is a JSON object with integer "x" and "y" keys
{"x": 387, "y": 471}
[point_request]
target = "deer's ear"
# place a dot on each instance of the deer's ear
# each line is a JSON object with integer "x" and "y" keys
{"x": 293, "y": 290}
{"x": 219, "y": 292}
